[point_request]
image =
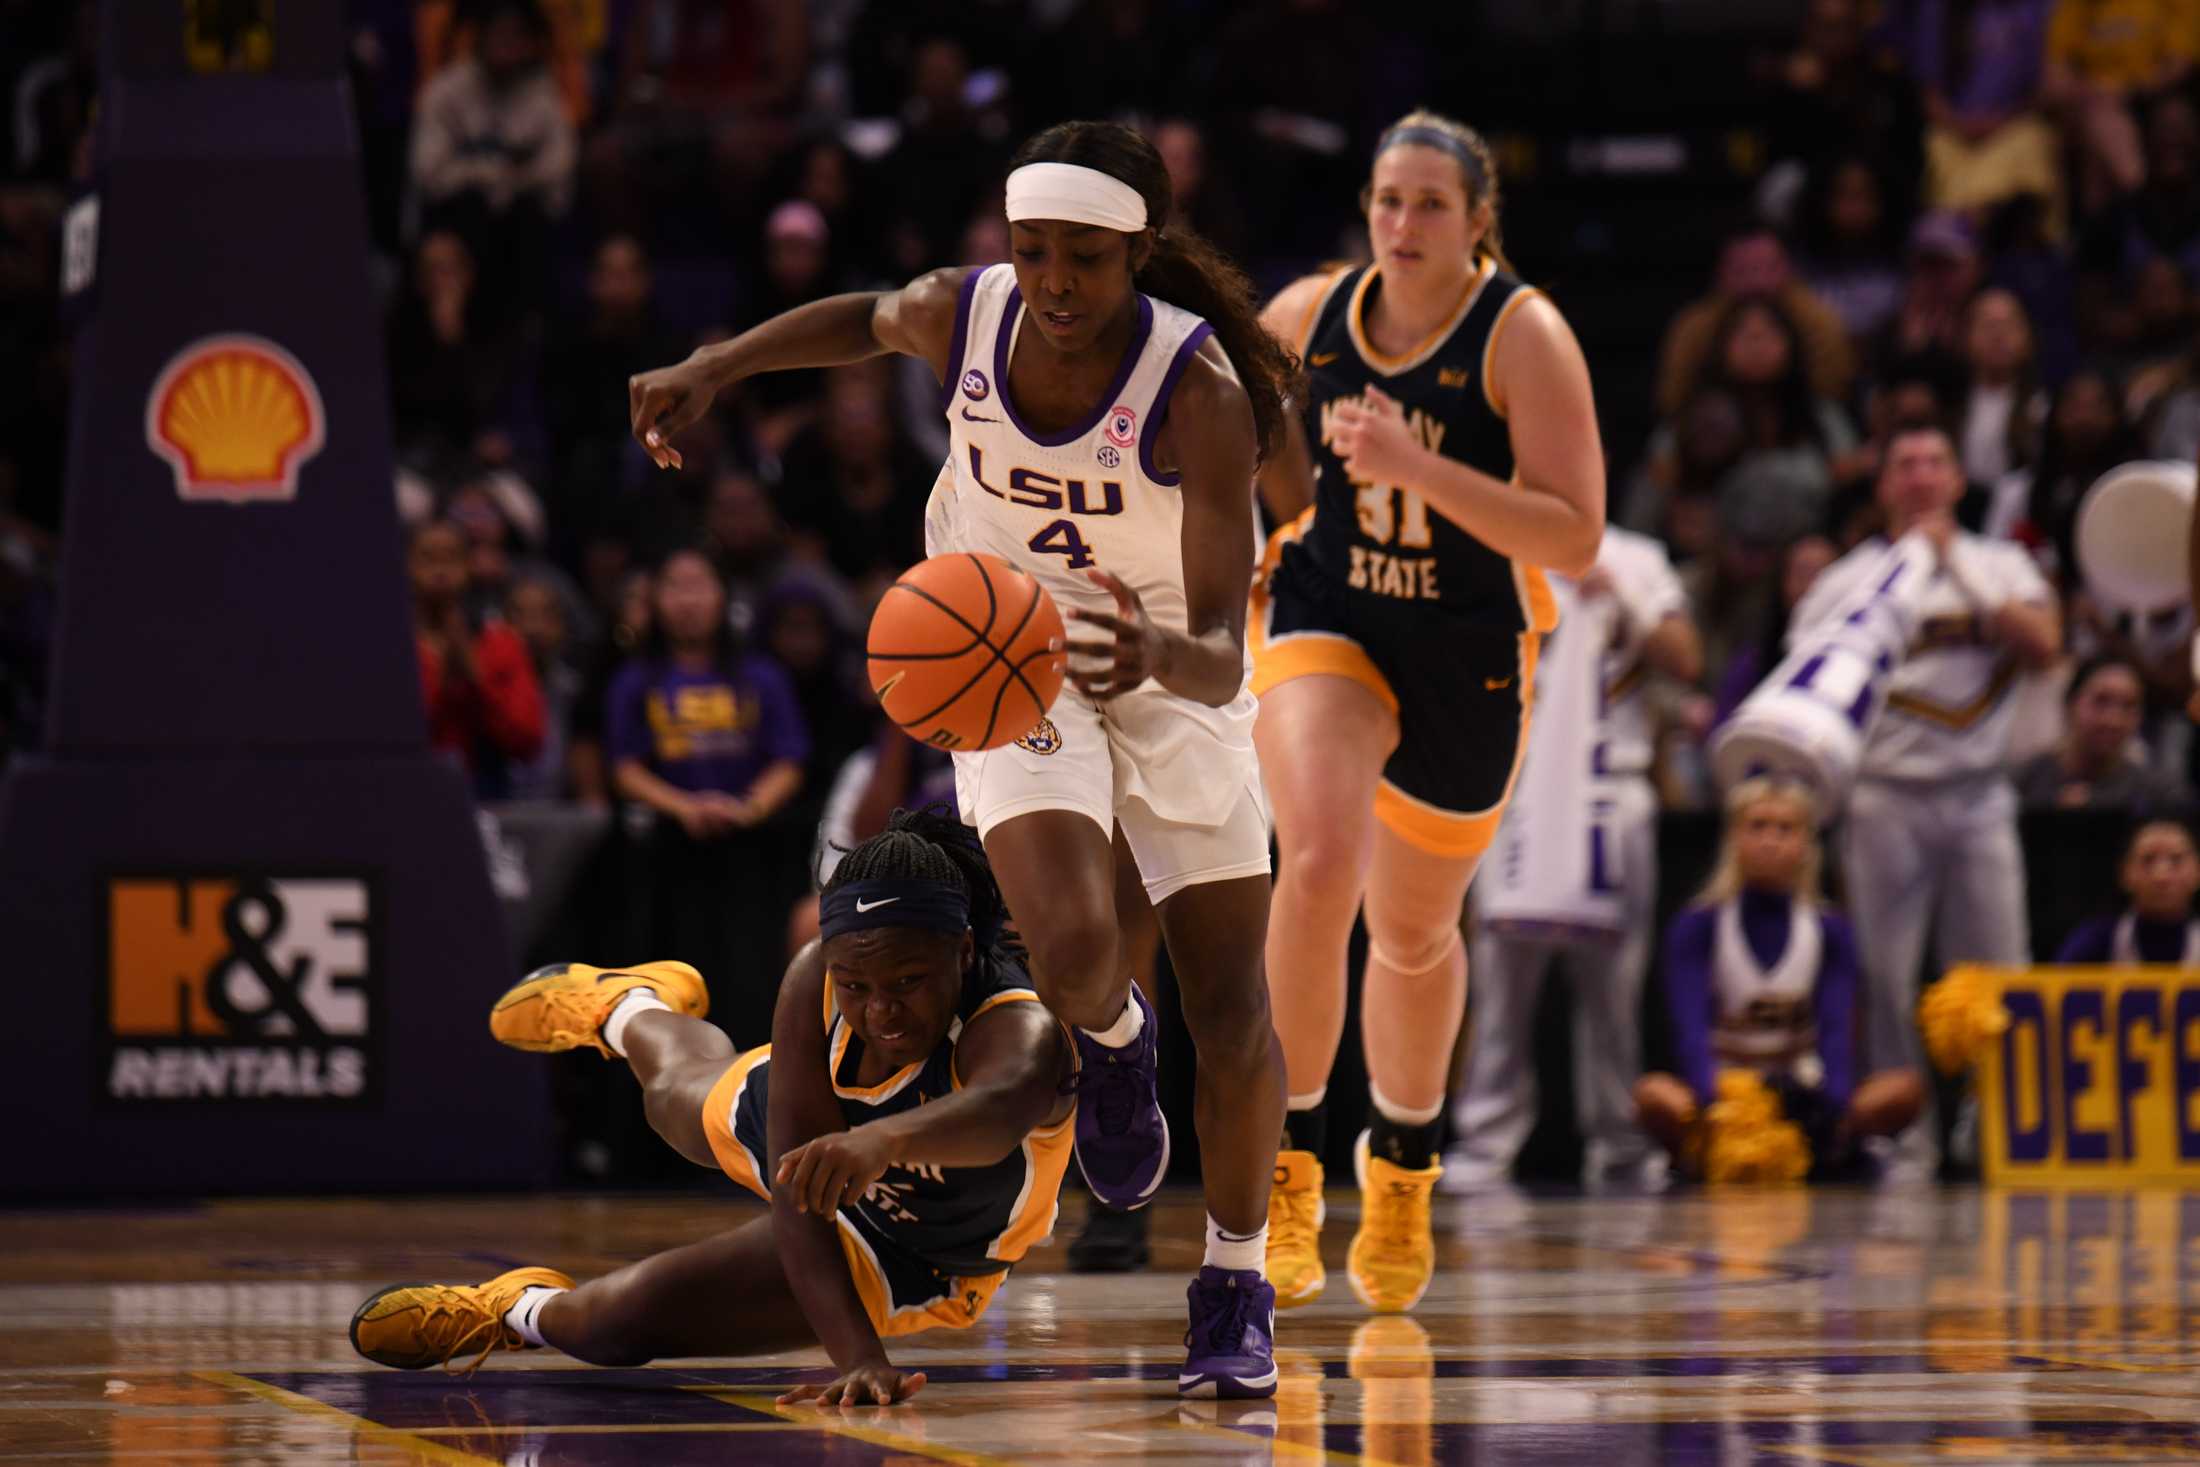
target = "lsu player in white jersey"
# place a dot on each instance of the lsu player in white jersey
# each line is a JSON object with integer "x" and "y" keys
{"x": 1109, "y": 394}
{"x": 1572, "y": 879}
{"x": 1930, "y": 841}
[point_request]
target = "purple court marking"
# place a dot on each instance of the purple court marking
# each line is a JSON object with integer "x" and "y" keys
{"x": 1714, "y": 1444}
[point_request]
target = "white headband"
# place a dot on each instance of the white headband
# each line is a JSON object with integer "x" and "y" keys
{"x": 1079, "y": 195}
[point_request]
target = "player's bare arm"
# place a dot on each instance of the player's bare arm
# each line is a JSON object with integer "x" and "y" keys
{"x": 1552, "y": 515}
{"x": 918, "y": 320}
{"x": 1012, "y": 1060}
{"x": 1209, "y": 435}
{"x": 803, "y": 1109}
{"x": 1286, "y": 480}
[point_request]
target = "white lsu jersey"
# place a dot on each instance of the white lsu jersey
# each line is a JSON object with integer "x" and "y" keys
{"x": 1951, "y": 705}
{"x": 1091, "y": 497}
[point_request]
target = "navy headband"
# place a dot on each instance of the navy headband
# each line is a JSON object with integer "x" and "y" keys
{"x": 1442, "y": 141}
{"x": 859, "y": 906}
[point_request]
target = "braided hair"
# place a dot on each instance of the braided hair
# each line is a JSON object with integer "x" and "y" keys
{"x": 932, "y": 845}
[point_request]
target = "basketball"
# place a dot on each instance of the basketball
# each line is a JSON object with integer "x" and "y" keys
{"x": 966, "y": 652}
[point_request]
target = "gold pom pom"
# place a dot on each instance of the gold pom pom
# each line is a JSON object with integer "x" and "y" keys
{"x": 1743, "y": 1137}
{"x": 1961, "y": 1015}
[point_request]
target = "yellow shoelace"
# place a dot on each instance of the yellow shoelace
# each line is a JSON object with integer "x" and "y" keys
{"x": 465, "y": 1324}
{"x": 1401, "y": 1218}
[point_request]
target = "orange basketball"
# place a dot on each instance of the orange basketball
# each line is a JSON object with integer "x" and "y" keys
{"x": 966, "y": 652}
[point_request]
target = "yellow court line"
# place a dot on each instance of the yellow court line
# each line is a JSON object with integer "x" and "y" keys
{"x": 358, "y": 1425}
{"x": 822, "y": 1418}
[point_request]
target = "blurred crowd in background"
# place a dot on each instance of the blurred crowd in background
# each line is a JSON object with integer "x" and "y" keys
{"x": 1984, "y": 213}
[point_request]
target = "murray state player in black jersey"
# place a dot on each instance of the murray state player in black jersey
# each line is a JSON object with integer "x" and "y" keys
{"x": 1453, "y": 456}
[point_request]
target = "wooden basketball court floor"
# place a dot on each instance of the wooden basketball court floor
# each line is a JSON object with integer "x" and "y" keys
{"x": 1868, "y": 1329}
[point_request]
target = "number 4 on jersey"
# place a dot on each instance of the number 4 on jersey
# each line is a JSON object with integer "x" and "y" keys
{"x": 1061, "y": 538}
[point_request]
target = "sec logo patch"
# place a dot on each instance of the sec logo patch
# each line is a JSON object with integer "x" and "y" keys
{"x": 1044, "y": 738}
{"x": 1109, "y": 456}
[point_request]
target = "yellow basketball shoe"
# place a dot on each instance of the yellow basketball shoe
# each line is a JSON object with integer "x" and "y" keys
{"x": 564, "y": 1005}
{"x": 1394, "y": 1253}
{"x": 414, "y": 1326}
{"x": 1295, "y": 1212}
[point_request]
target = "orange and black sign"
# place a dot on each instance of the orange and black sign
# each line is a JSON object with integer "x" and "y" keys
{"x": 240, "y": 988}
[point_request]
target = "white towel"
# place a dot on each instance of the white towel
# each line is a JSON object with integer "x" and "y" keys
{"x": 1553, "y": 868}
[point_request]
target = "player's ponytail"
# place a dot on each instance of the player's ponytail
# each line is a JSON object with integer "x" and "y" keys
{"x": 1184, "y": 269}
{"x": 932, "y": 845}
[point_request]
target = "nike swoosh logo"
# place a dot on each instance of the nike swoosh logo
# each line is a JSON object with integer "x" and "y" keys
{"x": 1321, "y": 359}
{"x": 864, "y": 906}
{"x": 972, "y": 417}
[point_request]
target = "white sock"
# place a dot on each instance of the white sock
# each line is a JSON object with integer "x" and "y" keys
{"x": 633, "y": 1001}
{"x": 1125, "y": 1029}
{"x": 1403, "y": 1115}
{"x": 1307, "y": 1101}
{"x": 1229, "y": 1250}
{"x": 522, "y": 1315}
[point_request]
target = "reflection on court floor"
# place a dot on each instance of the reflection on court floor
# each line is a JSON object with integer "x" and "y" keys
{"x": 1883, "y": 1328}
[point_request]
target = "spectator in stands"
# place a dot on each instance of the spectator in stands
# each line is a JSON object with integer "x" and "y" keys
{"x": 710, "y": 738}
{"x": 800, "y": 627}
{"x": 2102, "y": 55}
{"x": 1834, "y": 95}
{"x": 1945, "y": 271}
{"x": 797, "y": 270}
{"x": 2160, "y": 874}
{"x": 1794, "y": 437}
{"x": 2161, "y": 216}
{"x": 1282, "y": 129}
{"x": 626, "y": 633}
{"x": 493, "y": 152}
{"x": 1930, "y": 832}
{"x": 1997, "y": 429}
{"x": 535, "y": 609}
{"x": 1760, "y": 976}
{"x": 1850, "y": 246}
{"x": 2086, "y": 435}
{"x": 585, "y": 370}
{"x": 855, "y": 491}
{"x": 2095, "y": 767}
{"x": 1753, "y": 262}
{"x": 1979, "y": 66}
{"x": 747, "y": 540}
{"x": 477, "y": 684}
{"x": 451, "y": 366}
{"x": 1204, "y": 199}
{"x": 947, "y": 159}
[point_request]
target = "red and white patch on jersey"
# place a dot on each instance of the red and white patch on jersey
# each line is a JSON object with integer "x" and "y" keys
{"x": 1122, "y": 429}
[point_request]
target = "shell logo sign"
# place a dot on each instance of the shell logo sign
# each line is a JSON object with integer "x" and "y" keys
{"x": 236, "y": 417}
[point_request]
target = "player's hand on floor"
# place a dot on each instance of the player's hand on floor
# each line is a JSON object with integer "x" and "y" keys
{"x": 1113, "y": 668}
{"x": 832, "y": 1171}
{"x": 866, "y": 1385}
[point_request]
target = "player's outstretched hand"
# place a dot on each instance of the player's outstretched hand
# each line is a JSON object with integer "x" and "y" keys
{"x": 1113, "y": 668}
{"x": 663, "y": 402}
{"x": 866, "y": 1385}
{"x": 825, "y": 1174}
